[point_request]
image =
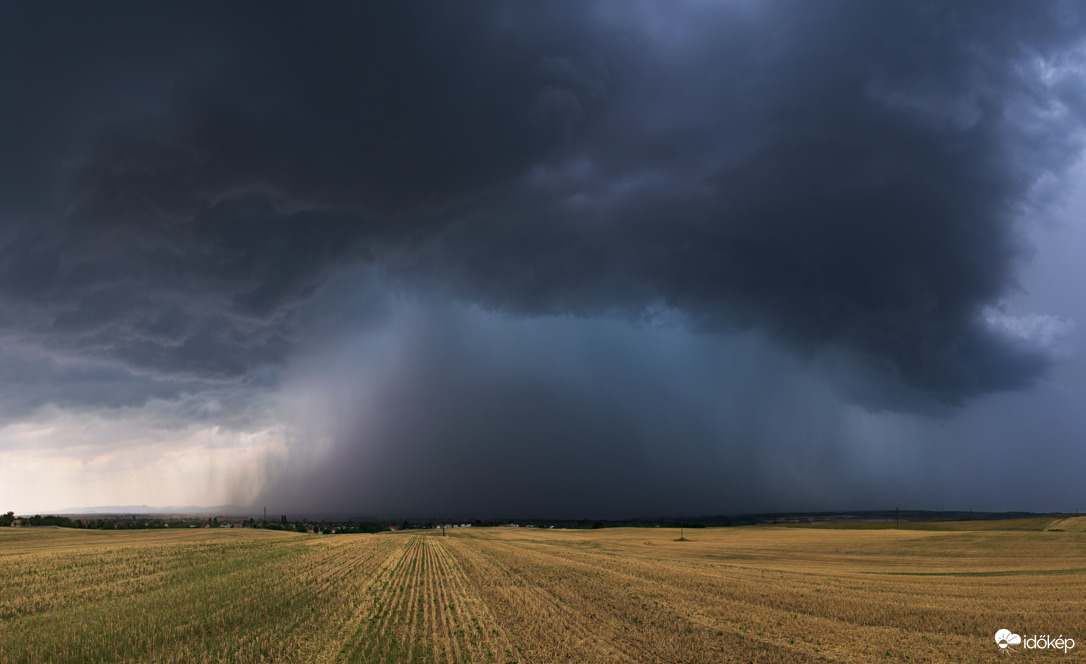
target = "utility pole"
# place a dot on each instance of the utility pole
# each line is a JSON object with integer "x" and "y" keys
{"x": 265, "y": 515}
{"x": 897, "y": 517}
{"x": 442, "y": 529}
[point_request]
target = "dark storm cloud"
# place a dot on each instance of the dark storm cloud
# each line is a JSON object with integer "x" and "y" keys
{"x": 843, "y": 177}
{"x": 30, "y": 382}
{"x": 34, "y": 380}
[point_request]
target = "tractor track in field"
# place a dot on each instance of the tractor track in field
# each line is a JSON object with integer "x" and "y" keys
{"x": 536, "y": 618}
{"x": 423, "y": 607}
{"x": 364, "y": 567}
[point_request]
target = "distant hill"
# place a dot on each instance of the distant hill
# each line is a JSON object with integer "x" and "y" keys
{"x": 232, "y": 510}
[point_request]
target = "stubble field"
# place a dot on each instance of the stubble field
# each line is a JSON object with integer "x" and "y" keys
{"x": 752, "y": 594}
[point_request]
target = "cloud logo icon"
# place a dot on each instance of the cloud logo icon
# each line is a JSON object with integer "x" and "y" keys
{"x": 1005, "y": 637}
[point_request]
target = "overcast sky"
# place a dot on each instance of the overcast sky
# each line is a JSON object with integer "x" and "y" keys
{"x": 554, "y": 259}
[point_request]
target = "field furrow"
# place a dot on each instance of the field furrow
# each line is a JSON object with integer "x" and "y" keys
{"x": 475, "y": 628}
{"x": 364, "y": 566}
{"x": 495, "y": 596}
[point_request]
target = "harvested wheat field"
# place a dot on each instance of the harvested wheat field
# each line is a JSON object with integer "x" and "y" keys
{"x": 752, "y": 594}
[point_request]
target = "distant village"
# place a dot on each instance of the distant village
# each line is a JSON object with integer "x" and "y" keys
{"x": 322, "y": 527}
{"x": 329, "y": 526}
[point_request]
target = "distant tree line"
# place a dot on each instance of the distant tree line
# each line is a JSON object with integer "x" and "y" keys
{"x": 131, "y": 523}
{"x": 39, "y": 520}
{"x": 348, "y": 527}
{"x": 326, "y": 528}
{"x": 141, "y": 523}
